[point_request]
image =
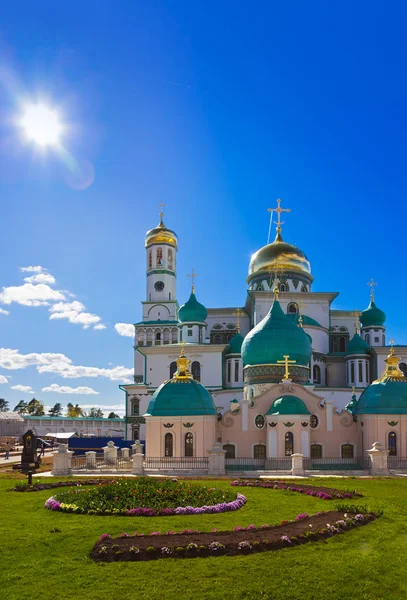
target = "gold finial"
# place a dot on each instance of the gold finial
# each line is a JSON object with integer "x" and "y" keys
{"x": 286, "y": 363}
{"x": 193, "y": 275}
{"x": 392, "y": 369}
{"x": 301, "y": 305}
{"x": 183, "y": 363}
{"x": 356, "y": 314}
{"x": 279, "y": 222}
{"x": 391, "y": 342}
{"x": 238, "y": 313}
{"x": 371, "y": 283}
{"x": 353, "y": 389}
{"x": 161, "y": 205}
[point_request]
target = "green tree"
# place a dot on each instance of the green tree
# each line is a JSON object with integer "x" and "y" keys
{"x": 113, "y": 415}
{"x": 21, "y": 408}
{"x": 3, "y": 405}
{"x": 56, "y": 410}
{"x": 35, "y": 408}
{"x": 95, "y": 413}
{"x": 73, "y": 411}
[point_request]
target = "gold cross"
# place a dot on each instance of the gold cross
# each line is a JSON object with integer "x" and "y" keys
{"x": 279, "y": 210}
{"x": 301, "y": 305}
{"x": 193, "y": 275}
{"x": 238, "y": 313}
{"x": 161, "y": 205}
{"x": 286, "y": 363}
{"x": 371, "y": 283}
{"x": 356, "y": 314}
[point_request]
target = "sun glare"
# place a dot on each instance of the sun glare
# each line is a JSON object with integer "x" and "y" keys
{"x": 41, "y": 125}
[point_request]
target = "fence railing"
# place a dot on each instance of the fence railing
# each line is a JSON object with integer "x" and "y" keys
{"x": 258, "y": 464}
{"x": 176, "y": 463}
{"x": 101, "y": 463}
{"x": 337, "y": 464}
{"x": 397, "y": 462}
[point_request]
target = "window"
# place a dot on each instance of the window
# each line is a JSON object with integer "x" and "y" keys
{"x": 168, "y": 444}
{"x": 292, "y": 308}
{"x": 230, "y": 326}
{"x": 136, "y": 433}
{"x": 289, "y": 443}
{"x": 170, "y": 258}
{"x": 217, "y": 339}
{"x": 367, "y": 339}
{"x": 316, "y": 374}
{"x": 159, "y": 257}
{"x": 189, "y": 444}
{"x": 136, "y": 407}
{"x": 352, "y": 372}
{"x": 360, "y": 368}
{"x": 229, "y": 371}
{"x": 376, "y": 340}
{"x": 150, "y": 259}
{"x": 313, "y": 421}
{"x": 236, "y": 370}
{"x": 316, "y": 451}
{"x": 259, "y": 421}
{"x": 158, "y": 337}
{"x": 230, "y": 450}
{"x": 367, "y": 372}
{"x": 283, "y": 287}
{"x": 304, "y": 288}
{"x": 189, "y": 332}
{"x": 392, "y": 443}
{"x": 259, "y": 451}
{"x": 403, "y": 368}
{"x": 347, "y": 451}
{"x": 173, "y": 368}
{"x": 196, "y": 370}
{"x": 342, "y": 344}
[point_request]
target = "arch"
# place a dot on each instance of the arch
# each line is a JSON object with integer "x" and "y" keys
{"x": 403, "y": 368}
{"x": 159, "y": 257}
{"x": 304, "y": 288}
{"x": 217, "y": 339}
{"x": 292, "y": 308}
{"x": 283, "y": 287}
{"x": 168, "y": 444}
{"x": 342, "y": 344}
{"x": 196, "y": 370}
{"x": 347, "y": 451}
{"x": 155, "y": 306}
{"x": 316, "y": 450}
{"x": 229, "y": 371}
{"x": 259, "y": 451}
{"x": 236, "y": 370}
{"x": 367, "y": 339}
{"x": 289, "y": 443}
{"x": 230, "y": 450}
{"x": 217, "y": 326}
{"x": 169, "y": 258}
{"x": 230, "y": 326}
{"x": 360, "y": 371}
{"x": 316, "y": 374}
{"x": 392, "y": 443}
{"x": 173, "y": 368}
{"x": 158, "y": 336}
{"x": 150, "y": 259}
{"x": 189, "y": 444}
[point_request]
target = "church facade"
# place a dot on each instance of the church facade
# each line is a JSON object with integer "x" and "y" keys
{"x": 284, "y": 374}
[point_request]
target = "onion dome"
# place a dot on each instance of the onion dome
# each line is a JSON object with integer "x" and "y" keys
{"x": 235, "y": 344}
{"x": 288, "y": 405}
{"x": 372, "y": 316}
{"x": 275, "y": 336}
{"x": 161, "y": 235}
{"x": 181, "y": 395}
{"x": 279, "y": 256}
{"x": 357, "y": 345}
{"x": 192, "y": 310}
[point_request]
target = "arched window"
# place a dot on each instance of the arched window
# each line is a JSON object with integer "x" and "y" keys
{"x": 316, "y": 450}
{"x": 170, "y": 258}
{"x": 173, "y": 368}
{"x": 392, "y": 443}
{"x": 289, "y": 443}
{"x": 342, "y": 344}
{"x": 403, "y": 368}
{"x": 316, "y": 374}
{"x": 229, "y": 337}
{"x": 367, "y": 339}
{"x": 136, "y": 432}
{"x": 189, "y": 444}
{"x": 150, "y": 259}
{"x": 229, "y": 370}
{"x": 196, "y": 370}
{"x": 259, "y": 451}
{"x": 347, "y": 451}
{"x": 360, "y": 369}
{"x": 217, "y": 339}
{"x": 230, "y": 450}
{"x": 352, "y": 372}
{"x": 283, "y": 287}
{"x": 158, "y": 336}
{"x": 159, "y": 257}
{"x": 168, "y": 444}
{"x": 236, "y": 370}
{"x": 292, "y": 308}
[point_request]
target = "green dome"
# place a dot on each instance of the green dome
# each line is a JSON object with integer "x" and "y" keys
{"x": 275, "y": 336}
{"x": 288, "y": 405}
{"x": 305, "y": 320}
{"x": 372, "y": 316}
{"x": 235, "y": 344}
{"x": 192, "y": 311}
{"x": 181, "y": 397}
{"x": 383, "y": 398}
{"x": 357, "y": 345}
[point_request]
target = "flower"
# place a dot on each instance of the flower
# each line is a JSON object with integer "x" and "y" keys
{"x": 286, "y": 539}
{"x": 166, "y": 551}
{"x": 134, "y": 550}
{"x": 245, "y": 545}
{"x": 105, "y": 536}
{"x": 215, "y": 546}
{"x": 301, "y": 516}
{"x": 359, "y": 518}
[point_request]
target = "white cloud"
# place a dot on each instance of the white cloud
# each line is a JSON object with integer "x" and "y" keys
{"x": 40, "y": 278}
{"x": 4, "y": 312}
{"x": 73, "y": 312}
{"x": 60, "y": 364}
{"x": 67, "y": 306}
{"x": 125, "y": 329}
{"x": 30, "y": 295}
{"x": 22, "y": 388}
{"x": 36, "y": 269}
{"x": 3, "y": 379}
{"x": 100, "y": 326}
{"x": 65, "y": 389}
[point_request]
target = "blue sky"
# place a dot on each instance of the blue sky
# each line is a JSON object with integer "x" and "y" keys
{"x": 215, "y": 109}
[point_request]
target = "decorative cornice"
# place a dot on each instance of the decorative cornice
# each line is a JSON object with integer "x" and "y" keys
{"x": 188, "y": 425}
{"x": 288, "y": 424}
{"x": 168, "y": 425}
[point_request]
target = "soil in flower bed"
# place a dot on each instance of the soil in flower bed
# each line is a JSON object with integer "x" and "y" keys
{"x": 300, "y": 488}
{"x": 259, "y": 539}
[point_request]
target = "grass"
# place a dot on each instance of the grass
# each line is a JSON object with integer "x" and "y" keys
{"x": 362, "y": 564}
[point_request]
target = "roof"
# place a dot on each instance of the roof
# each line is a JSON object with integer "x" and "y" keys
{"x": 10, "y": 415}
{"x": 173, "y": 323}
{"x": 48, "y": 417}
{"x": 383, "y": 398}
{"x": 235, "y": 344}
{"x": 181, "y": 397}
{"x": 192, "y": 311}
{"x": 372, "y": 316}
{"x": 288, "y": 405}
{"x": 357, "y": 345}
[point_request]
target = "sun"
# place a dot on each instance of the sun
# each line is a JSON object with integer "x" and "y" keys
{"x": 41, "y": 125}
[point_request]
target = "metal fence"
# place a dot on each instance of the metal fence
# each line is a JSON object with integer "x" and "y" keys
{"x": 100, "y": 463}
{"x": 337, "y": 464}
{"x": 397, "y": 462}
{"x": 176, "y": 463}
{"x": 258, "y": 464}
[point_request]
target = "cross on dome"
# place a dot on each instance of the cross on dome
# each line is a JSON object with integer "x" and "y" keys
{"x": 238, "y": 313}
{"x": 286, "y": 363}
{"x": 279, "y": 210}
{"x": 161, "y": 205}
{"x": 372, "y": 284}
{"x": 193, "y": 275}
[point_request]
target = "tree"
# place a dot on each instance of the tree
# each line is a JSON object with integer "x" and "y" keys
{"x": 95, "y": 413}
{"x": 56, "y": 410}
{"x": 3, "y": 405}
{"x": 73, "y": 411}
{"x": 113, "y": 415}
{"x": 35, "y": 408}
{"x": 21, "y": 408}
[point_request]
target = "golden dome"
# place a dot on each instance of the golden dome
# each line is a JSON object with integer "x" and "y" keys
{"x": 161, "y": 235}
{"x": 281, "y": 257}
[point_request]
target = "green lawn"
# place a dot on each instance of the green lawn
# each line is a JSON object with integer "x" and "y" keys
{"x": 366, "y": 563}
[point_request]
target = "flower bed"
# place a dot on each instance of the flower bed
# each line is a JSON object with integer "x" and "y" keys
{"x": 242, "y": 540}
{"x": 38, "y": 487}
{"x": 145, "y": 497}
{"x": 318, "y": 492}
